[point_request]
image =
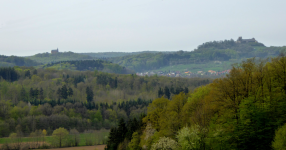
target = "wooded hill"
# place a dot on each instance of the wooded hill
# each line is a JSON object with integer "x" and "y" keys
{"x": 84, "y": 65}
{"x": 10, "y": 61}
{"x": 227, "y": 50}
{"x": 105, "y": 55}
{"x": 46, "y": 58}
{"x": 33, "y": 99}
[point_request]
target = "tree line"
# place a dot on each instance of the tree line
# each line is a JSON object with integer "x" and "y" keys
{"x": 48, "y": 99}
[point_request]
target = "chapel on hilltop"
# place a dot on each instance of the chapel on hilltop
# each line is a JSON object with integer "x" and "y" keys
{"x": 55, "y": 51}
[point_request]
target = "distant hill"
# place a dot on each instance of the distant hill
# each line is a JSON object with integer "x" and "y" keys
{"x": 227, "y": 50}
{"x": 61, "y": 56}
{"x": 84, "y": 65}
{"x": 10, "y": 61}
{"x": 105, "y": 55}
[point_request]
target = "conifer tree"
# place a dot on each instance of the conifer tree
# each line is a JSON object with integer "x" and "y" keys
{"x": 41, "y": 94}
{"x": 23, "y": 94}
{"x": 160, "y": 92}
{"x": 167, "y": 92}
{"x": 89, "y": 94}
{"x": 70, "y": 91}
{"x": 64, "y": 92}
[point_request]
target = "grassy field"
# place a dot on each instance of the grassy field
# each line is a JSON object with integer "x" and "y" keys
{"x": 97, "y": 137}
{"x": 221, "y": 66}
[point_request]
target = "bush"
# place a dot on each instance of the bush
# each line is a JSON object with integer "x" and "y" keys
{"x": 279, "y": 142}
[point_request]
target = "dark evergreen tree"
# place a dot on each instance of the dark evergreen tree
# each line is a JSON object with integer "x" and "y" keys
{"x": 167, "y": 92}
{"x": 36, "y": 93}
{"x": 121, "y": 131}
{"x": 172, "y": 90}
{"x": 179, "y": 90}
{"x": 64, "y": 92}
{"x": 31, "y": 93}
{"x": 28, "y": 74}
{"x": 89, "y": 94}
{"x": 35, "y": 72}
{"x": 186, "y": 90}
{"x": 70, "y": 92}
{"x": 59, "y": 93}
{"x": 115, "y": 82}
{"x": 23, "y": 94}
{"x": 132, "y": 126}
{"x": 41, "y": 94}
{"x": 160, "y": 92}
{"x": 9, "y": 74}
{"x": 112, "y": 140}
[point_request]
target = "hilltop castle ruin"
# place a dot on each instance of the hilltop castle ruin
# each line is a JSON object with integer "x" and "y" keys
{"x": 240, "y": 40}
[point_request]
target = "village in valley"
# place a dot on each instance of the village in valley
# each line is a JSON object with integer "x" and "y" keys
{"x": 184, "y": 74}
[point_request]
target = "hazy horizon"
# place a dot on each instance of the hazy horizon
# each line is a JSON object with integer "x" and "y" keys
{"x": 38, "y": 26}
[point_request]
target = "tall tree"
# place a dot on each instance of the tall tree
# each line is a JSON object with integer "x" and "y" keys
{"x": 160, "y": 92}
{"x": 70, "y": 92}
{"x": 64, "y": 92}
{"x": 23, "y": 94}
{"x": 89, "y": 94}
{"x": 41, "y": 94}
{"x": 167, "y": 92}
{"x": 59, "y": 135}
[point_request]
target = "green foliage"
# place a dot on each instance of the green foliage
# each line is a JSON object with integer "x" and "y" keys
{"x": 89, "y": 94}
{"x": 84, "y": 65}
{"x": 10, "y": 61}
{"x": 8, "y": 74}
{"x": 279, "y": 142}
{"x": 189, "y": 138}
{"x": 240, "y": 111}
{"x": 134, "y": 143}
{"x": 60, "y": 136}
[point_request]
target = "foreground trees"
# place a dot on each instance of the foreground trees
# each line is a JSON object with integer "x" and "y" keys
{"x": 245, "y": 110}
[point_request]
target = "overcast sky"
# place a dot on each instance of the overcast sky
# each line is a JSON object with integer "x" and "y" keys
{"x": 36, "y": 26}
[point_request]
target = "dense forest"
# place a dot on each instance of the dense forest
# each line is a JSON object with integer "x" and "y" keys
{"x": 48, "y": 99}
{"x": 84, "y": 65}
{"x": 244, "y": 110}
{"x": 227, "y": 50}
{"x": 10, "y": 61}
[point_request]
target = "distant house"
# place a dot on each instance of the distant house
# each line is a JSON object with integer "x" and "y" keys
{"x": 55, "y": 51}
{"x": 211, "y": 72}
{"x": 240, "y": 40}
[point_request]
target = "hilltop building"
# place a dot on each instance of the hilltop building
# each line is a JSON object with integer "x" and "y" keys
{"x": 240, "y": 40}
{"x": 55, "y": 51}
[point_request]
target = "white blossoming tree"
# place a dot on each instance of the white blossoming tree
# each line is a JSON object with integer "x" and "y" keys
{"x": 189, "y": 138}
{"x": 165, "y": 143}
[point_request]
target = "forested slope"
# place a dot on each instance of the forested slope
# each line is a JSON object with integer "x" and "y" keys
{"x": 84, "y": 65}
{"x": 10, "y": 61}
{"x": 244, "y": 110}
{"x": 207, "y": 52}
{"x": 45, "y": 58}
{"x": 36, "y": 99}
